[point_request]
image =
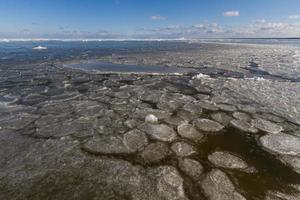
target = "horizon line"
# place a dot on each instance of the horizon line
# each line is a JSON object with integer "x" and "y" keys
{"x": 135, "y": 39}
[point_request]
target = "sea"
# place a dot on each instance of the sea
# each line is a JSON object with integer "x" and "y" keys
{"x": 16, "y": 52}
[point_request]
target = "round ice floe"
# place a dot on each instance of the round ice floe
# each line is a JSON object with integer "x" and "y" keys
{"x": 281, "y": 144}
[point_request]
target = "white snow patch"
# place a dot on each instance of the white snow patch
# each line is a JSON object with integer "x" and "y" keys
{"x": 151, "y": 119}
{"x": 200, "y": 76}
{"x": 257, "y": 79}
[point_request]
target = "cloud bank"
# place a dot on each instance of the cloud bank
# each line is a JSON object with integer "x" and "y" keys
{"x": 259, "y": 28}
{"x": 294, "y": 17}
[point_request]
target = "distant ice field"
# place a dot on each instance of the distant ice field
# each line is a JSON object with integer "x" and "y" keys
{"x": 276, "y": 56}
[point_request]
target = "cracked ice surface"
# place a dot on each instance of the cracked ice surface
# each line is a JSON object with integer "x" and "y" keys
{"x": 282, "y": 98}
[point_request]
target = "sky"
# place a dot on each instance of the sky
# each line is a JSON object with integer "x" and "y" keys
{"x": 149, "y": 18}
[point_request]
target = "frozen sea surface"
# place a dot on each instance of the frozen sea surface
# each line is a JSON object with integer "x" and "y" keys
{"x": 232, "y": 130}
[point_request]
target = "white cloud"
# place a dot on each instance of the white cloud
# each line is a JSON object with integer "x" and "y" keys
{"x": 195, "y": 31}
{"x": 157, "y": 17}
{"x": 261, "y": 21}
{"x": 294, "y": 17}
{"x": 267, "y": 29}
{"x": 173, "y": 27}
{"x": 231, "y": 13}
{"x": 259, "y": 28}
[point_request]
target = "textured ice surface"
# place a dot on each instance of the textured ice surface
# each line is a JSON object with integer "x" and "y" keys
{"x": 274, "y": 60}
{"x": 280, "y": 97}
{"x": 68, "y": 133}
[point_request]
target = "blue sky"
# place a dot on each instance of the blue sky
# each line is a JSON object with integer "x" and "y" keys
{"x": 149, "y": 18}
